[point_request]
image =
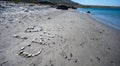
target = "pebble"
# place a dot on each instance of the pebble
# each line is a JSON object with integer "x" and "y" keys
{"x": 22, "y": 48}
{"x": 29, "y": 55}
{"x": 28, "y": 44}
{"x": 21, "y": 52}
{"x": 24, "y": 38}
{"x": 33, "y": 55}
{"x": 16, "y": 36}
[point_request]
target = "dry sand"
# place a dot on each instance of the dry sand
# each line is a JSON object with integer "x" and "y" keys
{"x": 43, "y": 36}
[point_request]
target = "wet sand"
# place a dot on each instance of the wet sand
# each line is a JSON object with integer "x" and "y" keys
{"x": 38, "y": 35}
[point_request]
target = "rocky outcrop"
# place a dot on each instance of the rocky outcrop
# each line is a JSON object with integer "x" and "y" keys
{"x": 88, "y": 12}
{"x": 63, "y": 7}
{"x": 46, "y": 3}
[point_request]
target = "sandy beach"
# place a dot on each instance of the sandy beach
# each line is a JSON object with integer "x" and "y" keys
{"x": 38, "y": 35}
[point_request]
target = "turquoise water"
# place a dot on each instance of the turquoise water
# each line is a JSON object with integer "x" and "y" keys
{"x": 108, "y": 16}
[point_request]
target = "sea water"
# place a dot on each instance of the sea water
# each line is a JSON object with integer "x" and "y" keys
{"x": 108, "y": 16}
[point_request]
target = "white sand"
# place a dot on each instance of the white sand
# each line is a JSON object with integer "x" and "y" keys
{"x": 65, "y": 38}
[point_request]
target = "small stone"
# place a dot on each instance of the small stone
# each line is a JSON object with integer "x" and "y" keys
{"x": 25, "y": 54}
{"x": 21, "y": 52}
{"x": 33, "y": 55}
{"x": 16, "y": 36}
{"x": 28, "y": 44}
{"x": 22, "y": 48}
{"x": 29, "y": 55}
{"x": 38, "y": 52}
{"x": 24, "y": 38}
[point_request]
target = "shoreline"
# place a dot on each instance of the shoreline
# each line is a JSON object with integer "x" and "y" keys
{"x": 45, "y": 36}
{"x": 103, "y": 22}
{"x": 100, "y": 20}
